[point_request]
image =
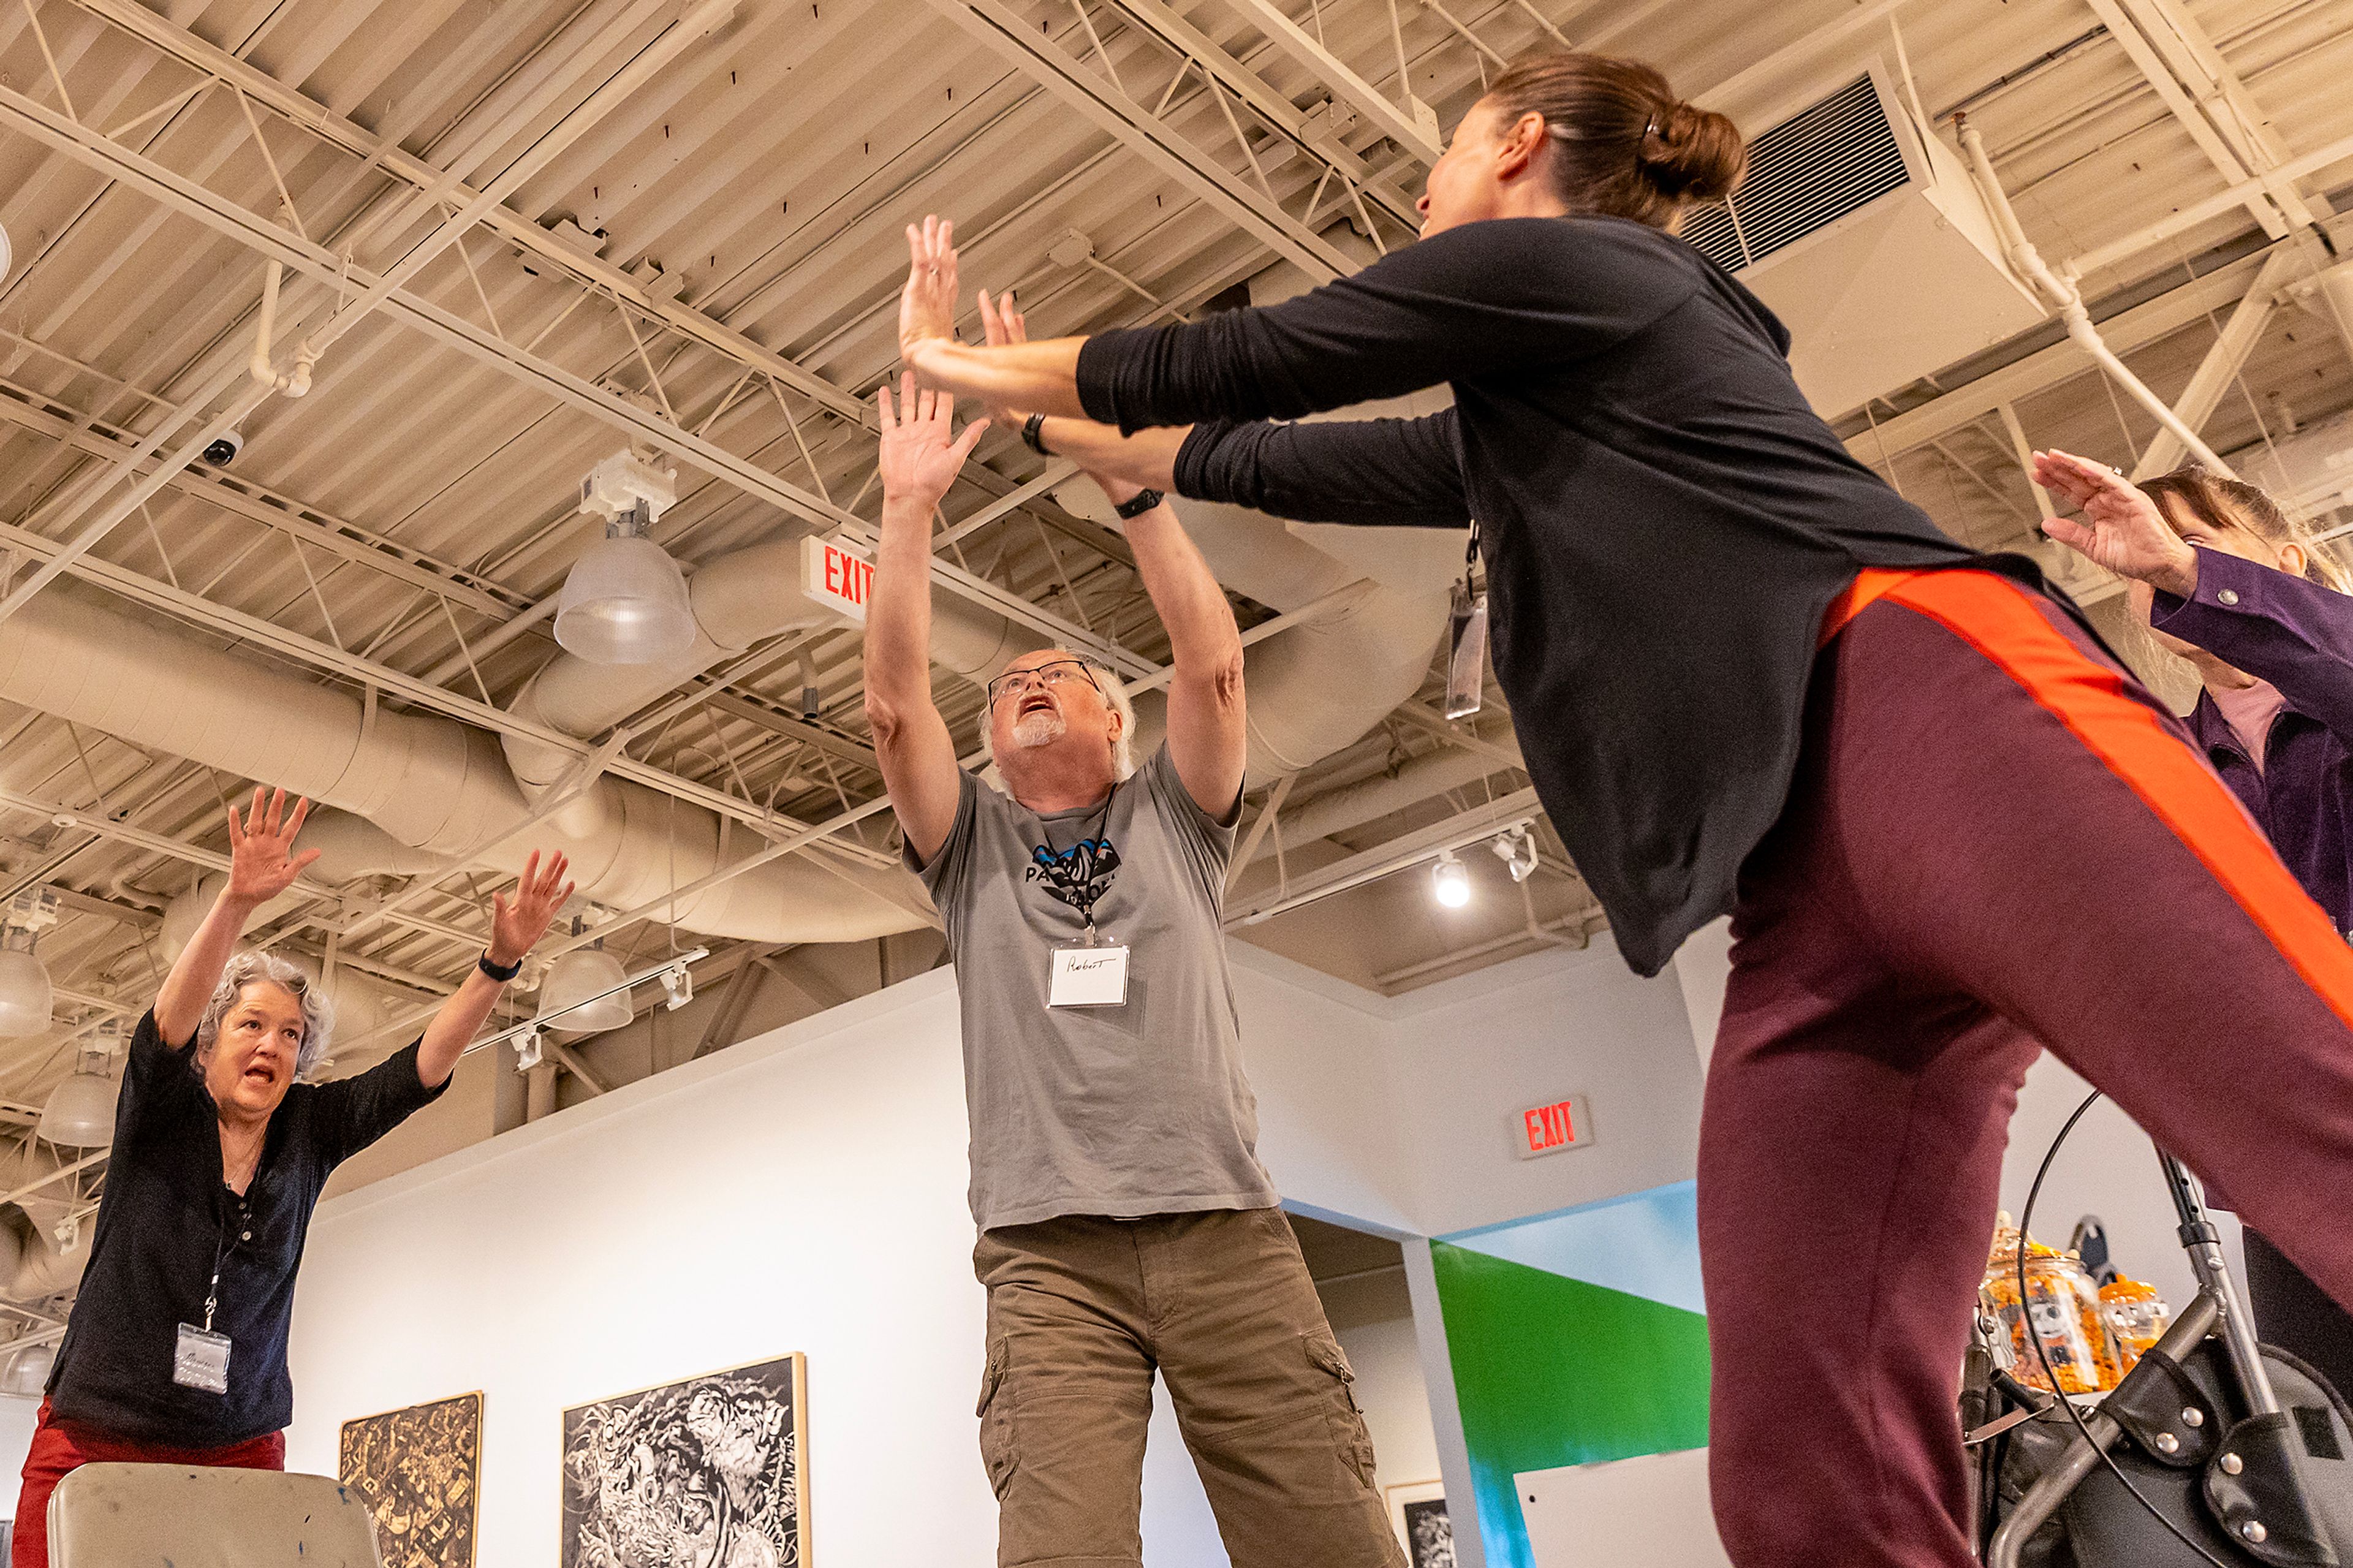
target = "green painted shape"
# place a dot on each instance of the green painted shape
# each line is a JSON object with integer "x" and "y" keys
{"x": 1550, "y": 1371}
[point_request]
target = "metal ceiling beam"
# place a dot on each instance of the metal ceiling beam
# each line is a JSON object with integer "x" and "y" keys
{"x": 299, "y": 519}
{"x": 1004, "y": 29}
{"x": 2222, "y": 362}
{"x": 511, "y": 227}
{"x": 645, "y": 61}
{"x": 2134, "y": 26}
{"x": 223, "y": 216}
{"x": 1417, "y": 136}
{"x": 1162, "y": 21}
{"x": 446, "y": 327}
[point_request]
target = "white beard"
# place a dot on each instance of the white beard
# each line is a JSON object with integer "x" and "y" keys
{"x": 1042, "y": 728}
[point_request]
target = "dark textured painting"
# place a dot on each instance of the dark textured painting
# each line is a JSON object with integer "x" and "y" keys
{"x": 1430, "y": 1534}
{"x": 702, "y": 1473}
{"x": 418, "y": 1471}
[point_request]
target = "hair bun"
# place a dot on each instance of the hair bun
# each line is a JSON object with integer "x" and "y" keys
{"x": 1694, "y": 153}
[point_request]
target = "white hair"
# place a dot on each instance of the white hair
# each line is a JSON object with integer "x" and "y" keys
{"x": 1115, "y": 697}
{"x": 250, "y": 968}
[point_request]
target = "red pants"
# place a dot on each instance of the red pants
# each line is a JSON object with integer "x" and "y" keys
{"x": 1995, "y": 841}
{"x": 60, "y": 1447}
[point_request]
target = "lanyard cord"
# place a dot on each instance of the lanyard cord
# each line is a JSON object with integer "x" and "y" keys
{"x": 222, "y": 1251}
{"x": 1102, "y": 826}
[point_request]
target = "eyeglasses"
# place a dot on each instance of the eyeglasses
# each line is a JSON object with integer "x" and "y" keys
{"x": 1060, "y": 673}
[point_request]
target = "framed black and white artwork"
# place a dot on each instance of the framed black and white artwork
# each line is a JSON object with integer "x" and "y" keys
{"x": 705, "y": 1472}
{"x": 418, "y": 1469}
{"x": 1417, "y": 1514}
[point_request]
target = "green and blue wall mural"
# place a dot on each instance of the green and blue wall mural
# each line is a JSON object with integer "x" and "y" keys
{"x": 1574, "y": 1337}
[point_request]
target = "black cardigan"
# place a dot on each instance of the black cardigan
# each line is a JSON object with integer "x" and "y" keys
{"x": 1663, "y": 519}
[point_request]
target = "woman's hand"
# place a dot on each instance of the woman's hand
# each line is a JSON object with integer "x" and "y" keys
{"x": 1001, "y": 320}
{"x": 260, "y": 866}
{"x": 919, "y": 459}
{"x": 2121, "y": 528}
{"x": 927, "y": 304}
{"x": 516, "y": 927}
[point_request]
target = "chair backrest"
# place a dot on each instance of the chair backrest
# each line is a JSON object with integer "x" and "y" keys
{"x": 135, "y": 1516}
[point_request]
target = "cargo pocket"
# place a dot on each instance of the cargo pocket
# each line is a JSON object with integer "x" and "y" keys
{"x": 1350, "y": 1441}
{"x": 996, "y": 1413}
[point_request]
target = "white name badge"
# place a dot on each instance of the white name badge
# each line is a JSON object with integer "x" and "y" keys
{"x": 1089, "y": 977}
{"x": 201, "y": 1359}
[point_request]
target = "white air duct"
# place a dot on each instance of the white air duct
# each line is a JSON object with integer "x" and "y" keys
{"x": 432, "y": 789}
{"x": 430, "y": 784}
{"x": 33, "y": 1262}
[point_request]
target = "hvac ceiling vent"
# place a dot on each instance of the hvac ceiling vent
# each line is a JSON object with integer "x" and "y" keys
{"x": 1805, "y": 174}
{"x": 1869, "y": 241}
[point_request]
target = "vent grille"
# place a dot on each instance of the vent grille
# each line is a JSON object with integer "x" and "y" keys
{"x": 1804, "y": 174}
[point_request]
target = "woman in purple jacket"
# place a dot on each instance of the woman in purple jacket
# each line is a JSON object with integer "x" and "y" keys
{"x": 2230, "y": 581}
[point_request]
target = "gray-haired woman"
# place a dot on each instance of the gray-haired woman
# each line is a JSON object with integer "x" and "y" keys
{"x": 176, "y": 1351}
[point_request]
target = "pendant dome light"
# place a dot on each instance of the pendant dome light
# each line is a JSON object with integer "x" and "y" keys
{"x": 28, "y": 1371}
{"x": 26, "y": 995}
{"x": 79, "y": 1113}
{"x": 572, "y": 979}
{"x": 625, "y": 601}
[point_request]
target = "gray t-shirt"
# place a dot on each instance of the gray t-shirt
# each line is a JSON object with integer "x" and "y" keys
{"x": 1135, "y": 1109}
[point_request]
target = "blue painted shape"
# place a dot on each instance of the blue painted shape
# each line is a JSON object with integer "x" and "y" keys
{"x": 1645, "y": 1244}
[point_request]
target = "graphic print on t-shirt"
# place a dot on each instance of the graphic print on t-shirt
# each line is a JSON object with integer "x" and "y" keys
{"x": 1079, "y": 875}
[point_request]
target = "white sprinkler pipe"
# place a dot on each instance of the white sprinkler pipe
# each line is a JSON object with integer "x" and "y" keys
{"x": 2064, "y": 296}
{"x": 294, "y": 383}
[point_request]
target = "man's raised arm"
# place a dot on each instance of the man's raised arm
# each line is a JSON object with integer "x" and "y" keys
{"x": 911, "y": 741}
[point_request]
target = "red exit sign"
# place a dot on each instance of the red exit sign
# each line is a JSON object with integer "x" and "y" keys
{"x": 834, "y": 575}
{"x": 1549, "y": 1129}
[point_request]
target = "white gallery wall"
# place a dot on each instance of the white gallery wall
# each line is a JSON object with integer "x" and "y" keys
{"x": 804, "y": 1192}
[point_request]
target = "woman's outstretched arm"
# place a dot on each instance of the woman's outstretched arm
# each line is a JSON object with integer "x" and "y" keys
{"x": 1484, "y": 299}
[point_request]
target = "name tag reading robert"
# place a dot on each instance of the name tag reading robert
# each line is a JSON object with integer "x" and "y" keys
{"x": 1089, "y": 977}
{"x": 201, "y": 1359}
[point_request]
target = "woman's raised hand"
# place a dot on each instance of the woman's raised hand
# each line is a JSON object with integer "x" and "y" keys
{"x": 920, "y": 461}
{"x": 1001, "y": 320}
{"x": 261, "y": 865}
{"x": 2121, "y": 528}
{"x": 516, "y": 926}
{"x": 927, "y": 304}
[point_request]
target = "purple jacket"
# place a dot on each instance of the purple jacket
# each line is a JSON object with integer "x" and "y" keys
{"x": 2298, "y": 636}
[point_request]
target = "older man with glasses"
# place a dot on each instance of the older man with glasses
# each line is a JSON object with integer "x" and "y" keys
{"x": 1126, "y": 1226}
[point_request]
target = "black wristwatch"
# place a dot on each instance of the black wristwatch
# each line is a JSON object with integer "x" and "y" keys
{"x": 1136, "y": 505}
{"x": 499, "y": 972}
{"x": 1029, "y": 436}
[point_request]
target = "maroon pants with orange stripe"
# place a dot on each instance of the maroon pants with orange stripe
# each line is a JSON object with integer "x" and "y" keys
{"x": 1997, "y": 842}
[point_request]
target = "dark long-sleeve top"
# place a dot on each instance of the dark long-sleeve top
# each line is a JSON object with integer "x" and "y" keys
{"x": 1663, "y": 518}
{"x": 2297, "y": 636}
{"x": 167, "y": 1220}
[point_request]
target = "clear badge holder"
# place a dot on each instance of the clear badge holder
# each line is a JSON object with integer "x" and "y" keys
{"x": 1466, "y": 659}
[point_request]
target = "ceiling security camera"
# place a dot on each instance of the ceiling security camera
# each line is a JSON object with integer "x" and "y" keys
{"x": 225, "y": 449}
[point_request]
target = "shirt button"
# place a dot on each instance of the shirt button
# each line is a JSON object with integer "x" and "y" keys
{"x": 2228, "y": 595}
{"x": 244, "y": 1235}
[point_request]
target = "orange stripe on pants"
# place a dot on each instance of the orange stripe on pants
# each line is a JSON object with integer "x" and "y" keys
{"x": 1994, "y": 616}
